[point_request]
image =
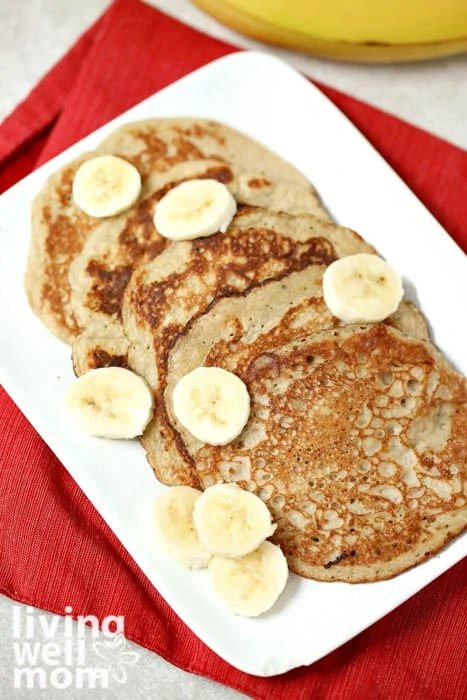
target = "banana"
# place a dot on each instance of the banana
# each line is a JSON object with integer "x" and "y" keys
{"x": 251, "y": 584}
{"x": 212, "y": 404}
{"x": 111, "y": 402}
{"x": 362, "y": 288}
{"x": 194, "y": 209}
{"x": 105, "y": 186}
{"x": 176, "y": 533}
{"x": 361, "y": 30}
{"x": 230, "y": 521}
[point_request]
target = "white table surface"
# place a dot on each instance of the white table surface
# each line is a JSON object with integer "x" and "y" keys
{"x": 34, "y": 35}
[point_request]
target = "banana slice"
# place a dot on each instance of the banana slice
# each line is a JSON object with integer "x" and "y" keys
{"x": 212, "y": 404}
{"x": 194, "y": 209}
{"x": 176, "y": 532}
{"x": 251, "y": 584}
{"x": 362, "y": 288}
{"x": 231, "y": 521}
{"x": 111, "y": 402}
{"x": 105, "y": 186}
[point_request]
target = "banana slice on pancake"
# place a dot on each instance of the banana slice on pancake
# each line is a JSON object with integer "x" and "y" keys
{"x": 175, "y": 529}
{"x": 212, "y": 404}
{"x": 230, "y": 521}
{"x": 195, "y": 209}
{"x": 362, "y": 288}
{"x": 250, "y": 585}
{"x": 105, "y": 186}
{"x": 111, "y": 402}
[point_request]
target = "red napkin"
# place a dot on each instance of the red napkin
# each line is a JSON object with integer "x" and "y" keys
{"x": 55, "y": 548}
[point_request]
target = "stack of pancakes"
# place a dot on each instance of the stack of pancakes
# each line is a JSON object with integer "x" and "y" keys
{"x": 357, "y": 437}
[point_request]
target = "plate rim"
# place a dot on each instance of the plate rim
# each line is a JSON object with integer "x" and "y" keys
{"x": 21, "y": 400}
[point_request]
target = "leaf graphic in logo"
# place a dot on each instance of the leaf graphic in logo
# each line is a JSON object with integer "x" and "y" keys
{"x": 117, "y": 643}
{"x": 103, "y": 649}
{"x": 119, "y": 673}
{"x": 113, "y": 652}
{"x": 129, "y": 657}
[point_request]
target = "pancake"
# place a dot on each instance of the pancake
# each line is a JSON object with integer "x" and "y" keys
{"x": 99, "y": 274}
{"x": 158, "y": 144}
{"x": 58, "y": 232}
{"x": 237, "y": 328}
{"x": 59, "y": 229}
{"x": 165, "y": 294}
{"x": 357, "y": 442}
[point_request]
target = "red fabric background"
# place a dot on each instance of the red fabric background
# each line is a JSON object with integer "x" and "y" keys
{"x": 55, "y": 548}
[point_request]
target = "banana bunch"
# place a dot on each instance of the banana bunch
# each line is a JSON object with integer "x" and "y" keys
{"x": 353, "y": 30}
{"x": 224, "y": 529}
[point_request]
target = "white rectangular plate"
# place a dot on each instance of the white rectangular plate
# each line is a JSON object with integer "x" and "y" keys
{"x": 263, "y": 97}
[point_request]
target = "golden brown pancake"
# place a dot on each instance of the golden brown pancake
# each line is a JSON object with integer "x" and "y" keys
{"x": 357, "y": 436}
{"x": 100, "y": 273}
{"x": 241, "y": 326}
{"x": 60, "y": 229}
{"x": 165, "y": 294}
{"x": 357, "y": 442}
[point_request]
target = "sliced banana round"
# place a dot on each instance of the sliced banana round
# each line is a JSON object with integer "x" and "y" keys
{"x": 212, "y": 404}
{"x": 251, "y": 584}
{"x": 111, "y": 402}
{"x": 175, "y": 529}
{"x": 362, "y": 288}
{"x": 231, "y": 521}
{"x": 195, "y": 209}
{"x": 105, "y": 186}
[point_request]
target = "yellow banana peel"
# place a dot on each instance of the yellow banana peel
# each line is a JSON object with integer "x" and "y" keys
{"x": 354, "y": 30}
